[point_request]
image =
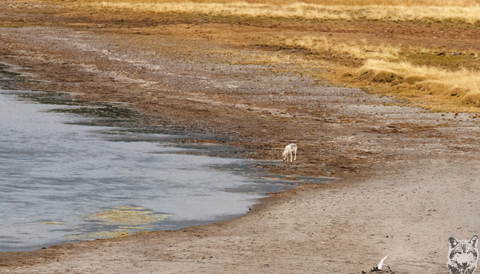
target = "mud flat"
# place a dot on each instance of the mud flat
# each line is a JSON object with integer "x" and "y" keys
{"x": 409, "y": 177}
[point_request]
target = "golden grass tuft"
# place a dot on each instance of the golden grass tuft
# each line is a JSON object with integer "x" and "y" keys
{"x": 419, "y": 83}
{"x": 362, "y": 50}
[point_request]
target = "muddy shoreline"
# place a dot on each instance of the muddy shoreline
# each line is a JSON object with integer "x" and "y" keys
{"x": 399, "y": 165}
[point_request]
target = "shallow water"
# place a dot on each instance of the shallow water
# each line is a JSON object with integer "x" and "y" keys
{"x": 64, "y": 180}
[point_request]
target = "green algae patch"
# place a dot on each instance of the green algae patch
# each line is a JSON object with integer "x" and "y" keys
{"x": 52, "y": 223}
{"x": 128, "y": 220}
{"x": 99, "y": 235}
{"x": 128, "y": 216}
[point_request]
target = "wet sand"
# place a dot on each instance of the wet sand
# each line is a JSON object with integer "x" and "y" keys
{"x": 408, "y": 177}
{"x": 340, "y": 229}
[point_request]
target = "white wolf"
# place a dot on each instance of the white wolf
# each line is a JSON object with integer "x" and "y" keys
{"x": 462, "y": 255}
{"x": 288, "y": 151}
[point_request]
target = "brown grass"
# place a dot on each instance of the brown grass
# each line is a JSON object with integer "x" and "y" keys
{"x": 381, "y": 11}
{"x": 361, "y": 50}
{"x": 407, "y": 3}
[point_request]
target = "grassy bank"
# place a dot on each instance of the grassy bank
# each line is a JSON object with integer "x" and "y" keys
{"x": 424, "y": 51}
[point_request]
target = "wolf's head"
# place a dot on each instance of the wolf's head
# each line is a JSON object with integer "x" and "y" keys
{"x": 285, "y": 154}
{"x": 462, "y": 255}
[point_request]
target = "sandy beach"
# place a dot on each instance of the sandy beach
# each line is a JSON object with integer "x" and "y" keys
{"x": 407, "y": 178}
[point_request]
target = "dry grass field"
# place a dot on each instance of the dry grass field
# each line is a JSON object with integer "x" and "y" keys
{"x": 423, "y": 51}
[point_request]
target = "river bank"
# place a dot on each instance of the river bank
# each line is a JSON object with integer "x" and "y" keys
{"x": 74, "y": 171}
{"x": 408, "y": 176}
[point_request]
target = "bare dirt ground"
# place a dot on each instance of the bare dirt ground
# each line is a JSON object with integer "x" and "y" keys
{"x": 408, "y": 177}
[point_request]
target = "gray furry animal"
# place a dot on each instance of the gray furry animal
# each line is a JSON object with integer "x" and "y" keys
{"x": 462, "y": 255}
